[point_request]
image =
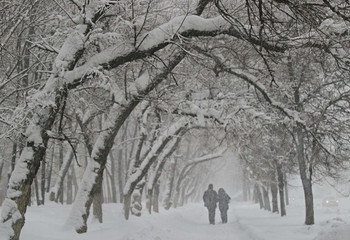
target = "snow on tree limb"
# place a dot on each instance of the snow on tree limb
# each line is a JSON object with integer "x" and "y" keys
{"x": 156, "y": 39}
{"x": 207, "y": 157}
{"x": 56, "y": 189}
{"x": 157, "y": 148}
{"x": 252, "y": 80}
{"x": 168, "y": 151}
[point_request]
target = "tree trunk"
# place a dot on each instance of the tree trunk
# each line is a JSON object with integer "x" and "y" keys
{"x": 97, "y": 202}
{"x": 105, "y": 141}
{"x": 136, "y": 199}
{"x": 155, "y": 199}
{"x": 36, "y": 189}
{"x": 306, "y": 181}
{"x": 120, "y": 175}
{"x": 280, "y": 187}
{"x": 267, "y": 205}
{"x": 60, "y": 193}
{"x": 49, "y": 175}
{"x": 13, "y": 158}
{"x": 274, "y": 192}
{"x": 19, "y": 187}
{"x": 170, "y": 184}
{"x": 70, "y": 186}
{"x": 182, "y": 194}
{"x": 125, "y": 158}
{"x": 245, "y": 185}
{"x": 127, "y": 203}
{"x": 177, "y": 129}
{"x": 153, "y": 183}
{"x": 43, "y": 181}
{"x": 286, "y": 188}
{"x": 75, "y": 183}
{"x": 114, "y": 187}
{"x": 255, "y": 195}
{"x": 57, "y": 190}
{"x": 1, "y": 165}
{"x": 149, "y": 200}
{"x": 107, "y": 177}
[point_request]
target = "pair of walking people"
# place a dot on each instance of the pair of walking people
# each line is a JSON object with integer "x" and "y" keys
{"x": 211, "y": 198}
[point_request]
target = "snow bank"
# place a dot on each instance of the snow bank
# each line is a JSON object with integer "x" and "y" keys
{"x": 245, "y": 222}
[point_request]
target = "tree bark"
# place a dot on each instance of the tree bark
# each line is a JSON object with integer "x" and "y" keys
{"x": 306, "y": 181}
{"x": 48, "y": 102}
{"x": 280, "y": 187}
{"x": 49, "y": 175}
{"x": 153, "y": 181}
{"x": 176, "y": 129}
{"x": 136, "y": 199}
{"x": 267, "y": 205}
{"x": 170, "y": 184}
{"x": 113, "y": 185}
{"x": 60, "y": 193}
{"x": 70, "y": 186}
{"x": 13, "y": 158}
{"x": 155, "y": 199}
{"x": 286, "y": 188}
{"x": 2, "y": 162}
{"x": 97, "y": 202}
{"x": 75, "y": 183}
{"x": 245, "y": 185}
{"x": 107, "y": 177}
{"x": 19, "y": 188}
{"x": 120, "y": 174}
{"x": 43, "y": 180}
{"x": 56, "y": 192}
{"x": 36, "y": 189}
{"x": 274, "y": 192}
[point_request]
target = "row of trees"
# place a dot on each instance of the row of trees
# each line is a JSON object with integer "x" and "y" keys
{"x": 121, "y": 87}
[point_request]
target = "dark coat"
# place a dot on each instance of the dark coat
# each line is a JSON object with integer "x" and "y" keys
{"x": 223, "y": 199}
{"x": 210, "y": 198}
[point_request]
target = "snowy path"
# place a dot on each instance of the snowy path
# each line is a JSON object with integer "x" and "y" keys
{"x": 245, "y": 222}
{"x": 186, "y": 223}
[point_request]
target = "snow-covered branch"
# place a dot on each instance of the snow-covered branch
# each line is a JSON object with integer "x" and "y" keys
{"x": 156, "y": 39}
{"x": 157, "y": 148}
{"x": 56, "y": 190}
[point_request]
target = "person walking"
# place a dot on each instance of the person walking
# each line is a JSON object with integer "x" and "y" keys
{"x": 210, "y": 199}
{"x": 224, "y": 200}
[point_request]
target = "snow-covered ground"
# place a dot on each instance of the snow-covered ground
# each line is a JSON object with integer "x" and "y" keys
{"x": 246, "y": 221}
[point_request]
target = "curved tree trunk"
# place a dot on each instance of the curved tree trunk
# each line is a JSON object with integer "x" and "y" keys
{"x": 136, "y": 199}
{"x": 162, "y": 141}
{"x": 57, "y": 189}
{"x": 19, "y": 187}
{"x": 104, "y": 143}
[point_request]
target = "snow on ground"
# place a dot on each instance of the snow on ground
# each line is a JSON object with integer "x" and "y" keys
{"x": 245, "y": 222}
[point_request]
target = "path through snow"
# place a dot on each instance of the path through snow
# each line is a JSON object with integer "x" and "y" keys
{"x": 245, "y": 222}
{"x": 186, "y": 223}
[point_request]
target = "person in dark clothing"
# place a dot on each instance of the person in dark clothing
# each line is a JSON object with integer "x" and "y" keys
{"x": 224, "y": 200}
{"x": 210, "y": 199}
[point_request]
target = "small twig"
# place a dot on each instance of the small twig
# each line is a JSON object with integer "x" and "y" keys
{"x": 65, "y": 11}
